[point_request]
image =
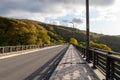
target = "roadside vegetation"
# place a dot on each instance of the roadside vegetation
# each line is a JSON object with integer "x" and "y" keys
{"x": 26, "y": 32}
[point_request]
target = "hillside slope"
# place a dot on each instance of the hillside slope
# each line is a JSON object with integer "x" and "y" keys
{"x": 20, "y": 32}
{"x": 25, "y": 32}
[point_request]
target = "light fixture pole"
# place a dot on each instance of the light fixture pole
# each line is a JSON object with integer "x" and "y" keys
{"x": 73, "y": 28}
{"x": 87, "y": 30}
{"x": 72, "y": 23}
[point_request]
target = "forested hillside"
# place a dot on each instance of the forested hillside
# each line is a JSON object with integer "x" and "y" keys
{"x": 20, "y": 32}
{"x": 111, "y": 41}
{"x": 25, "y": 32}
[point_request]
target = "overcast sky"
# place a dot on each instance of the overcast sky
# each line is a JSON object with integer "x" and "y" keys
{"x": 104, "y": 14}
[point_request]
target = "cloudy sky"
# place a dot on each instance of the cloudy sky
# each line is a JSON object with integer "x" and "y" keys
{"x": 104, "y": 14}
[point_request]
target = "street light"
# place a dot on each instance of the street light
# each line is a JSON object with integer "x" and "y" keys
{"x": 73, "y": 28}
{"x": 72, "y": 23}
{"x": 87, "y": 30}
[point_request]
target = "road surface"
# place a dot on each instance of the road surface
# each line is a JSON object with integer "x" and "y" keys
{"x": 29, "y": 66}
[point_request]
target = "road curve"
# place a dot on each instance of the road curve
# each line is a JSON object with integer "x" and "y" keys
{"x": 20, "y": 67}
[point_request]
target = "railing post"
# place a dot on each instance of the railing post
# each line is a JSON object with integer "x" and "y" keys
{"x": 3, "y": 50}
{"x": 90, "y": 55}
{"x": 109, "y": 69}
{"x": 112, "y": 70}
{"x": 0, "y": 50}
{"x": 42, "y": 45}
{"x": 16, "y": 48}
{"x": 84, "y": 53}
{"x": 10, "y": 49}
{"x": 22, "y": 48}
{"x": 94, "y": 60}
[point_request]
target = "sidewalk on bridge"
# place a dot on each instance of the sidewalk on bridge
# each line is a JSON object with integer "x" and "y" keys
{"x": 12, "y": 54}
{"x": 73, "y": 67}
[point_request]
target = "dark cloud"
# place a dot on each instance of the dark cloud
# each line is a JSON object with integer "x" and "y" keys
{"x": 45, "y": 6}
{"x": 65, "y": 20}
{"x": 78, "y": 21}
{"x": 93, "y": 2}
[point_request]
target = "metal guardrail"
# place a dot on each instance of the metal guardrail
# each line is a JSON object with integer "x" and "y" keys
{"x": 106, "y": 62}
{"x": 7, "y": 49}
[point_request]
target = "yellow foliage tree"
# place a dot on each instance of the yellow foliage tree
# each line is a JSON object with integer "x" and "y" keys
{"x": 39, "y": 41}
{"x": 101, "y": 46}
{"x": 73, "y": 41}
{"x": 96, "y": 45}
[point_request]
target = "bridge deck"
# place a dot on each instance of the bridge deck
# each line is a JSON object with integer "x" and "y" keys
{"x": 73, "y": 67}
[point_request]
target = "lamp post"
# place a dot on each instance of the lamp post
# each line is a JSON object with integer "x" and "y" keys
{"x": 72, "y": 23}
{"x": 87, "y": 30}
{"x": 73, "y": 28}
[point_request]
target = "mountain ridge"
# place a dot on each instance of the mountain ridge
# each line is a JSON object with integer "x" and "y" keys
{"x": 35, "y": 32}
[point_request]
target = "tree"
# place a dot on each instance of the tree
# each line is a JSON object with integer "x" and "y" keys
{"x": 73, "y": 41}
{"x": 39, "y": 41}
{"x": 96, "y": 45}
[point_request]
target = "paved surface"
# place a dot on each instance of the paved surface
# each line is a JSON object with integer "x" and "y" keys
{"x": 27, "y": 66}
{"x": 11, "y": 54}
{"x": 73, "y": 67}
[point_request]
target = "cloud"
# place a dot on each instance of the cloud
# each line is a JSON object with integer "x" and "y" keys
{"x": 41, "y": 9}
{"x": 77, "y": 20}
{"x": 104, "y": 18}
{"x": 101, "y": 2}
{"x": 56, "y": 22}
{"x": 47, "y": 6}
{"x": 65, "y": 20}
{"x": 48, "y": 10}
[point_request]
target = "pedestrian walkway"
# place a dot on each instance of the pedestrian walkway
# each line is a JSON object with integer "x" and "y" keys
{"x": 73, "y": 67}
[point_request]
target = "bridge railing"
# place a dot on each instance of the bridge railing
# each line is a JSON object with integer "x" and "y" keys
{"x": 7, "y": 49}
{"x": 107, "y": 62}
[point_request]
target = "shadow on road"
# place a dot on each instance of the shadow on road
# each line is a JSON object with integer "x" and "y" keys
{"x": 44, "y": 72}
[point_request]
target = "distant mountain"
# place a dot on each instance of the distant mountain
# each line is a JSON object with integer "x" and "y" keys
{"x": 24, "y": 32}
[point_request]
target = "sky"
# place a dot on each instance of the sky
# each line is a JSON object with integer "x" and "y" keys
{"x": 104, "y": 14}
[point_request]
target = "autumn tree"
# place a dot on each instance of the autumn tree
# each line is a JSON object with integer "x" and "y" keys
{"x": 73, "y": 41}
{"x": 96, "y": 45}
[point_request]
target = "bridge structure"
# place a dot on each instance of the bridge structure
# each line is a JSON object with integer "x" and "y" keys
{"x": 57, "y": 62}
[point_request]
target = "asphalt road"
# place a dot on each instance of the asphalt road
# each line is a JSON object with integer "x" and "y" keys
{"x": 29, "y": 66}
